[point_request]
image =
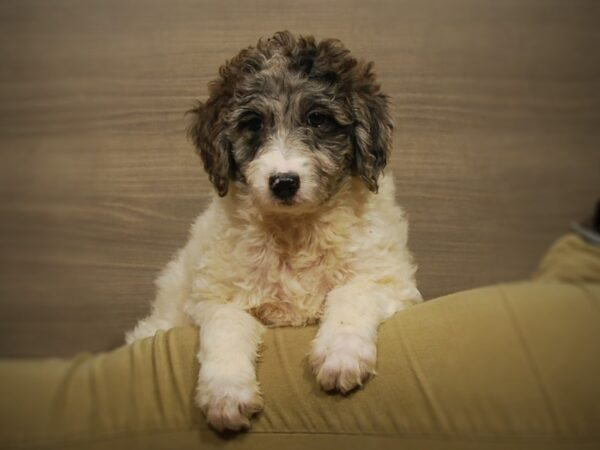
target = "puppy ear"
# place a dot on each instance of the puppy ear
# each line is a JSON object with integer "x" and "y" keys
{"x": 207, "y": 133}
{"x": 373, "y": 127}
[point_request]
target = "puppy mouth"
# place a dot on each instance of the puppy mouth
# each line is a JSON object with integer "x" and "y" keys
{"x": 287, "y": 203}
{"x": 294, "y": 205}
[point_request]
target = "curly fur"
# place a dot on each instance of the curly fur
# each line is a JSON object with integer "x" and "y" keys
{"x": 336, "y": 252}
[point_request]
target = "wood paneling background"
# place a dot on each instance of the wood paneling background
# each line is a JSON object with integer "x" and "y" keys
{"x": 497, "y": 145}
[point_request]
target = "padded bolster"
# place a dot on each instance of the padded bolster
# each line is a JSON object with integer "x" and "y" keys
{"x": 508, "y": 366}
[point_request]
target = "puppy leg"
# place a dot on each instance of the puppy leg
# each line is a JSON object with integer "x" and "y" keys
{"x": 228, "y": 392}
{"x": 344, "y": 351}
{"x": 146, "y": 328}
{"x": 167, "y": 310}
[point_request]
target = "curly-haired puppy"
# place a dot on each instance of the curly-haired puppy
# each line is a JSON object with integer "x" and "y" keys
{"x": 294, "y": 136}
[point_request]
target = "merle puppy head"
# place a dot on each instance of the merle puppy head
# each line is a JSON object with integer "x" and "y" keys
{"x": 290, "y": 121}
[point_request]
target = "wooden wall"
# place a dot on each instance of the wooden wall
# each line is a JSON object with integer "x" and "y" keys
{"x": 497, "y": 146}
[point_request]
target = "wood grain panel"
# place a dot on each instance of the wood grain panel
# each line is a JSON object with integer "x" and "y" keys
{"x": 497, "y": 144}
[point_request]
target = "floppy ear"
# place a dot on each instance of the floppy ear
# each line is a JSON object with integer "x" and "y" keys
{"x": 331, "y": 62}
{"x": 373, "y": 126}
{"x": 207, "y": 133}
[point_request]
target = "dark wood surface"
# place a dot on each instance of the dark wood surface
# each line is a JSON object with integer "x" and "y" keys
{"x": 497, "y": 146}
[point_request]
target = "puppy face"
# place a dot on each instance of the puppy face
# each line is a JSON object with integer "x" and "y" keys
{"x": 289, "y": 137}
{"x": 290, "y": 121}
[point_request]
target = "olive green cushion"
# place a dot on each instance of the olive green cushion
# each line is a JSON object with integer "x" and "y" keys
{"x": 508, "y": 366}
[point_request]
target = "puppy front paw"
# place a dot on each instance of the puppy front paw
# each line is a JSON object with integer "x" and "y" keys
{"x": 229, "y": 405}
{"x": 343, "y": 361}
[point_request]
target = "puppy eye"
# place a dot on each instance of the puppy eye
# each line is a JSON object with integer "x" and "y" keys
{"x": 317, "y": 119}
{"x": 253, "y": 124}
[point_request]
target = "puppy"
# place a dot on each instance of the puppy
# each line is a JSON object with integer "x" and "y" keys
{"x": 294, "y": 137}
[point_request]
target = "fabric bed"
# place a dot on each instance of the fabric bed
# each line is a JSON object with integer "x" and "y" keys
{"x": 508, "y": 366}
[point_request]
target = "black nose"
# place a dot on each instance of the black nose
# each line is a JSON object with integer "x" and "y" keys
{"x": 284, "y": 185}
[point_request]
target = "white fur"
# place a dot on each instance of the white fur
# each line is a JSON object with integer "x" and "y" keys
{"x": 345, "y": 262}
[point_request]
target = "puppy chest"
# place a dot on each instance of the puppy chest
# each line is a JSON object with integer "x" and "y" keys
{"x": 286, "y": 288}
{"x": 291, "y": 278}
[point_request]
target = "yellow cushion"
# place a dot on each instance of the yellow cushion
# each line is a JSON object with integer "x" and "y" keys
{"x": 508, "y": 366}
